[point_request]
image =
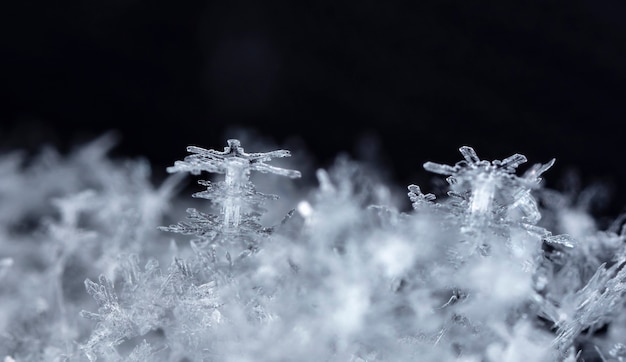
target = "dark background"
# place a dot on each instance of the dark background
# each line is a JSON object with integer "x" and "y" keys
{"x": 422, "y": 78}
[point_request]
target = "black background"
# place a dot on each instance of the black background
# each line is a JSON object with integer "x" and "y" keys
{"x": 422, "y": 78}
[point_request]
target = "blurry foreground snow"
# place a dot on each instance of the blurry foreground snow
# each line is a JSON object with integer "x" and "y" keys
{"x": 500, "y": 269}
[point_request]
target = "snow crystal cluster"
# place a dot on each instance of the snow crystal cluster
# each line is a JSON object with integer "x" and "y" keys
{"x": 498, "y": 269}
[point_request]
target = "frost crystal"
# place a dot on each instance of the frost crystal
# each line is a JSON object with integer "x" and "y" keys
{"x": 418, "y": 198}
{"x": 114, "y": 322}
{"x": 239, "y": 202}
{"x": 490, "y": 191}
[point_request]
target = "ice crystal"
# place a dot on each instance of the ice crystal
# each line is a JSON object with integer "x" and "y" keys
{"x": 491, "y": 189}
{"x": 418, "y": 198}
{"x": 239, "y": 203}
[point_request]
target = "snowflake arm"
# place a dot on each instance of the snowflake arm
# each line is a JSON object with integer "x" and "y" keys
{"x": 219, "y": 161}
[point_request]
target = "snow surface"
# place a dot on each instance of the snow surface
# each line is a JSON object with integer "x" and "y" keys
{"x": 499, "y": 269}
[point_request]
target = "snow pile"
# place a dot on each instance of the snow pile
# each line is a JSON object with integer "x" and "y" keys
{"x": 499, "y": 269}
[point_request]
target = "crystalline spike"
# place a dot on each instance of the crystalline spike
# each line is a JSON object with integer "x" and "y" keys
{"x": 514, "y": 161}
{"x": 439, "y": 168}
{"x": 92, "y": 288}
{"x": 195, "y": 149}
{"x": 562, "y": 240}
{"x": 267, "y": 156}
{"x": 469, "y": 154}
{"x": 264, "y": 168}
{"x": 546, "y": 166}
{"x": 195, "y": 167}
{"x": 538, "y": 169}
{"x": 417, "y": 197}
{"x": 90, "y": 315}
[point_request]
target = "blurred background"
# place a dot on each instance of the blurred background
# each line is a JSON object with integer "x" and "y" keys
{"x": 394, "y": 83}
